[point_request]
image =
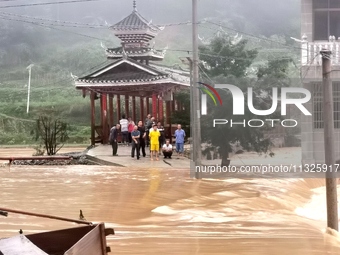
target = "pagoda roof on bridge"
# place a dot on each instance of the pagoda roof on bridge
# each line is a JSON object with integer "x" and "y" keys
{"x": 130, "y": 77}
{"x": 135, "y": 21}
{"x": 136, "y": 52}
{"x": 129, "y": 71}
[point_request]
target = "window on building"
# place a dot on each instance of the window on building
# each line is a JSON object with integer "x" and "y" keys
{"x": 318, "y": 105}
{"x": 326, "y": 19}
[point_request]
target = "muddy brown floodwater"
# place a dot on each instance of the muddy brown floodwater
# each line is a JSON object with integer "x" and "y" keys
{"x": 157, "y": 211}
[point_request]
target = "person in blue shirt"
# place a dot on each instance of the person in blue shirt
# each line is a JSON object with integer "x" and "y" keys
{"x": 180, "y": 136}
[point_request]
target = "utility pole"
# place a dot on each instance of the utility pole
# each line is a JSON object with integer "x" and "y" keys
{"x": 196, "y": 94}
{"x": 29, "y": 86}
{"x": 191, "y": 108}
{"x": 328, "y": 120}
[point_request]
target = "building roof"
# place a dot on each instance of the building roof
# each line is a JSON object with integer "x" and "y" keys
{"x": 136, "y": 52}
{"x": 134, "y": 21}
{"x": 129, "y": 77}
{"x": 124, "y": 70}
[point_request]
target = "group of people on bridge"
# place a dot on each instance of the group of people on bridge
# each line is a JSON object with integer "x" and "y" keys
{"x": 148, "y": 134}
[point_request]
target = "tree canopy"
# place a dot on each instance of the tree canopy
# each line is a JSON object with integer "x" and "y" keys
{"x": 232, "y": 66}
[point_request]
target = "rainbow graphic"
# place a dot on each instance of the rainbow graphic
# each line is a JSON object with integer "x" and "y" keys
{"x": 208, "y": 90}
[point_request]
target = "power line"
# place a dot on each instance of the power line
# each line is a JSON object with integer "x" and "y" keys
{"x": 51, "y": 27}
{"x": 62, "y": 23}
{"x": 85, "y": 25}
{"x": 251, "y": 35}
{"x": 48, "y": 3}
{"x": 8, "y": 0}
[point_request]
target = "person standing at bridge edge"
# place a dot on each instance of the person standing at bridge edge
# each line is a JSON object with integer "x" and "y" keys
{"x": 180, "y": 136}
{"x": 135, "y": 135}
{"x": 124, "y": 123}
{"x": 113, "y": 139}
{"x": 154, "y": 142}
{"x": 148, "y": 125}
{"x": 142, "y": 131}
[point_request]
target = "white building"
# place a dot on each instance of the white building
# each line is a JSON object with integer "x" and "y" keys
{"x": 320, "y": 29}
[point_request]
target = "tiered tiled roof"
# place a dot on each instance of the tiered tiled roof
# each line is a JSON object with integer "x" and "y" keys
{"x": 125, "y": 71}
{"x": 141, "y": 52}
{"x": 129, "y": 72}
{"x": 136, "y": 32}
{"x": 135, "y": 21}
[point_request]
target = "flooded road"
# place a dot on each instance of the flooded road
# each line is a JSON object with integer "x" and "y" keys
{"x": 165, "y": 212}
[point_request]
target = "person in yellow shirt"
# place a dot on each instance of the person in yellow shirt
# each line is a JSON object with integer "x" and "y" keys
{"x": 154, "y": 142}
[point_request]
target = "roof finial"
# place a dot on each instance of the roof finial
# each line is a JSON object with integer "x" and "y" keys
{"x": 134, "y": 5}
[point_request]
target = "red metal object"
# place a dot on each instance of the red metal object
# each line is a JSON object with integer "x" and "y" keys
{"x": 93, "y": 121}
{"x": 160, "y": 110}
{"x": 147, "y": 105}
{"x": 134, "y": 109}
{"x": 154, "y": 106}
{"x": 167, "y": 112}
{"x": 111, "y": 117}
{"x": 104, "y": 119}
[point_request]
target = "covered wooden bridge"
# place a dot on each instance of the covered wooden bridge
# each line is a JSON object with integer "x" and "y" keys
{"x": 133, "y": 80}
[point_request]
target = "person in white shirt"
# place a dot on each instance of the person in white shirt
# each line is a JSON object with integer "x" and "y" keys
{"x": 167, "y": 149}
{"x": 124, "y": 123}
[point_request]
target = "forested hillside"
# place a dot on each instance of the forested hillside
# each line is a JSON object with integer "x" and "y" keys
{"x": 69, "y": 38}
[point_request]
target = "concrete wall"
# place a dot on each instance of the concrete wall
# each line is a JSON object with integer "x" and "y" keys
{"x": 312, "y": 140}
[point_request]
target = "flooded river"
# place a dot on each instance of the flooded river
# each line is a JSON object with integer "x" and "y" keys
{"x": 157, "y": 211}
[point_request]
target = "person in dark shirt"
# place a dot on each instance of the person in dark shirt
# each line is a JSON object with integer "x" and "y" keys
{"x": 162, "y": 137}
{"x": 148, "y": 125}
{"x": 142, "y": 132}
{"x": 113, "y": 139}
{"x": 135, "y": 135}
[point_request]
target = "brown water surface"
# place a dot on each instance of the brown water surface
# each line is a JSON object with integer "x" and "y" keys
{"x": 157, "y": 211}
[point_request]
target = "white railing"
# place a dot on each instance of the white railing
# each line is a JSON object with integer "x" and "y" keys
{"x": 310, "y": 52}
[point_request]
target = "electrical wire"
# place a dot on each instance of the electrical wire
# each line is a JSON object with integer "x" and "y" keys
{"x": 252, "y": 35}
{"x": 48, "y": 3}
{"x": 51, "y": 27}
{"x": 82, "y": 25}
{"x": 58, "y": 22}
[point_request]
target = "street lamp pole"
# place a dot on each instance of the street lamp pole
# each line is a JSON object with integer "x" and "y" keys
{"x": 29, "y": 86}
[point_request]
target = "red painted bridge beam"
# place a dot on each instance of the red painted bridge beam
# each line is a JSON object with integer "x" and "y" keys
{"x": 154, "y": 106}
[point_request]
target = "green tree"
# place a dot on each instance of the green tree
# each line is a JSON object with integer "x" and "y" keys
{"x": 231, "y": 68}
{"x": 225, "y": 56}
